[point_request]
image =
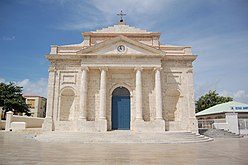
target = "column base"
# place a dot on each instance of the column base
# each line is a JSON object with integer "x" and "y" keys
{"x": 48, "y": 124}
{"x": 82, "y": 119}
{"x": 86, "y": 126}
{"x": 149, "y": 126}
{"x": 101, "y": 125}
{"x": 193, "y": 125}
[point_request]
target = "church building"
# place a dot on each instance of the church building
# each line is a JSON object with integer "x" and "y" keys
{"x": 120, "y": 78}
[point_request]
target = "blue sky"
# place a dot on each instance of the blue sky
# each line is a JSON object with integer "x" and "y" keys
{"x": 217, "y": 30}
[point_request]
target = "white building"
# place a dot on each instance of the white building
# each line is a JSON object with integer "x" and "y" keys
{"x": 231, "y": 116}
{"x": 120, "y": 77}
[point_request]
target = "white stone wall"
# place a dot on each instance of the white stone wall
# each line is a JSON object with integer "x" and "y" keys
{"x": 142, "y": 50}
{"x": 176, "y": 91}
{"x": 31, "y": 122}
{"x": 178, "y": 94}
{"x": 148, "y": 95}
{"x": 93, "y": 94}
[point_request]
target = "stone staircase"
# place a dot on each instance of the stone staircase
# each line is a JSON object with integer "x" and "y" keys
{"x": 121, "y": 137}
{"x": 220, "y": 133}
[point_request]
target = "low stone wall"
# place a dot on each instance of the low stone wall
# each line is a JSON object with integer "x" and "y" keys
{"x": 223, "y": 126}
{"x": 22, "y": 122}
{"x": 2, "y": 124}
{"x": 31, "y": 122}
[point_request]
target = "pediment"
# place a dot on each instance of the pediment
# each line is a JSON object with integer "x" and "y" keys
{"x": 129, "y": 47}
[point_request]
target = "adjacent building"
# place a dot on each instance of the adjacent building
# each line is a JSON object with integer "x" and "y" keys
{"x": 37, "y": 105}
{"x": 231, "y": 116}
{"x": 120, "y": 78}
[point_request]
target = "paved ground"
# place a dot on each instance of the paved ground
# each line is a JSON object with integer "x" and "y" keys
{"x": 16, "y": 149}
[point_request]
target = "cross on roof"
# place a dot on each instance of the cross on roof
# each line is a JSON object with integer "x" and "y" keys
{"x": 121, "y": 14}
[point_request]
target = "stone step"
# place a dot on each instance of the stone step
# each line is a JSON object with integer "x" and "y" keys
{"x": 220, "y": 133}
{"x": 122, "y": 137}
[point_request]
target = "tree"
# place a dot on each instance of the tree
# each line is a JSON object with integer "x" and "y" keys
{"x": 210, "y": 99}
{"x": 11, "y": 99}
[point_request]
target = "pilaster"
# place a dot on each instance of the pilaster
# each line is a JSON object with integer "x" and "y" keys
{"x": 48, "y": 122}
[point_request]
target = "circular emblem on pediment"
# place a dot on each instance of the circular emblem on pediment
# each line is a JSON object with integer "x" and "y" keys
{"x": 121, "y": 48}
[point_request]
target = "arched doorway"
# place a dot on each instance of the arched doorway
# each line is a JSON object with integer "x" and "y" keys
{"x": 121, "y": 109}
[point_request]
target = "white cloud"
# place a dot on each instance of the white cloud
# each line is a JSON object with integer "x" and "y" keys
{"x": 221, "y": 64}
{"x": 34, "y": 87}
{"x": 98, "y": 13}
{"x": 38, "y": 87}
{"x": 241, "y": 96}
{"x": 204, "y": 87}
{"x": 131, "y": 6}
{"x": 2, "y": 80}
{"x": 8, "y": 38}
{"x": 240, "y": 93}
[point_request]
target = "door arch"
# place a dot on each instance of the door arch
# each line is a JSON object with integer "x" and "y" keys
{"x": 121, "y": 109}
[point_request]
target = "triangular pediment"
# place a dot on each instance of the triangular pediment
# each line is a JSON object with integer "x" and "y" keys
{"x": 131, "y": 47}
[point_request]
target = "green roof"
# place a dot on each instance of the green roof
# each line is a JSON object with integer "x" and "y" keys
{"x": 231, "y": 106}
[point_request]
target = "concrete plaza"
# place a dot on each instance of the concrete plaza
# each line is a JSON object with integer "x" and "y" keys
{"x": 19, "y": 148}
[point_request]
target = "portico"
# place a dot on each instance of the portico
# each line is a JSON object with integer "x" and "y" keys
{"x": 106, "y": 89}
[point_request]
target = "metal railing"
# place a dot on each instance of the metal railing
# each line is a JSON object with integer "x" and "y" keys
{"x": 243, "y": 124}
{"x": 208, "y": 123}
{"x": 219, "y": 120}
{"x": 203, "y": 124}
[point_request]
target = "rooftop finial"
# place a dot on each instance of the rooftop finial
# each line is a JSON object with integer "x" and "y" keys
{"x": 121, "y": 14}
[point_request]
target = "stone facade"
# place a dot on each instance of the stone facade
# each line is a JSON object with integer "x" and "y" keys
{"x": 82, "y": 78}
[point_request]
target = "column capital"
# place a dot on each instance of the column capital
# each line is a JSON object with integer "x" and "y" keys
{"x": 84, "y": 68}
{"x": 157, "y": 68}
{"x": 138, "y": 69}
{"x": 103, "y": 68}
{"x": 190, "y": 70}
{"x": 51, "y": 69}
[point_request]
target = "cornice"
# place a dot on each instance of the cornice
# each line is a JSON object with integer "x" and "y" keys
{"x": 81, "y": 56}
{"x": 145, "y": 34}
{"x": 180, "y": 57}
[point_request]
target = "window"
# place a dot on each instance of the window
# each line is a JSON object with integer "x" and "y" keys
{"x": 31, "y": 103}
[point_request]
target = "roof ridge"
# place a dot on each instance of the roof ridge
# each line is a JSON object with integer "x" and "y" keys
{"x": 221, "y": 108}
{"x": 120, "y": 29}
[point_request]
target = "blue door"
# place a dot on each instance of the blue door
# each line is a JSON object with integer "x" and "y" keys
{"x": 120, "y": 112}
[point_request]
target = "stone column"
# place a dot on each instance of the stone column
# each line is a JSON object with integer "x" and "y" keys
{"x": 138, "y": 93}
{"x": 158, "y": 93}
{"x": 83, "y": 94}
{"x": 103, "y": 93}
{"x": 9, "y": 117}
